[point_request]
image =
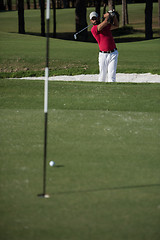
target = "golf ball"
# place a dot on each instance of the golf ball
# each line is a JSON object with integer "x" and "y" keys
{"x": 51, "y": 163}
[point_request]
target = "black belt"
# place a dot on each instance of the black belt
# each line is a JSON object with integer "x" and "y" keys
{"x": 109, "y": 51}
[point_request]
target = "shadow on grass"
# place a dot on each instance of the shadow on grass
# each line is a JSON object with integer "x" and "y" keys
{"x": 123, "y": 34}
{"x": 70, "y": 37}
{"x": 108, "y": 189}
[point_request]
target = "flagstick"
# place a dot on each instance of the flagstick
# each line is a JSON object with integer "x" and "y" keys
{"x": 46, "y": 103}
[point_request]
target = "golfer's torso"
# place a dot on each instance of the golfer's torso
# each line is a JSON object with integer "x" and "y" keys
{"x": 104, "y": 38}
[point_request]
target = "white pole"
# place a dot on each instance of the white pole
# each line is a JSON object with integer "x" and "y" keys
{"x": 48, "y": 10}
{"x": 47, "y": 59}
{"x": 46, "y": 90}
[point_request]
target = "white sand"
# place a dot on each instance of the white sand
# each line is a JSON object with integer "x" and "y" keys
{"x": 121, "y": 77}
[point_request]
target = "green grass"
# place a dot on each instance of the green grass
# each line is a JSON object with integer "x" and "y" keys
{"x": 104, "y": 139}
{"x": 73, "y": 96}
{"x": 139, "y": 57}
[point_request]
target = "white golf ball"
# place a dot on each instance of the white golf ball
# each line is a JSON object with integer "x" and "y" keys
{"x": 51, "y": 163}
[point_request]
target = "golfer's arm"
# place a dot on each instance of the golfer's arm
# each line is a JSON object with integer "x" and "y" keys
{"x": 102, "y": 25}
{"x": 115, "y": 23}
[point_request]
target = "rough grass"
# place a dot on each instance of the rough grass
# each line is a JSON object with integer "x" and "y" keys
{"x": 70, "y": 58}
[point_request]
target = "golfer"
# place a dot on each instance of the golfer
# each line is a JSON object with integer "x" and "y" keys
{"x": 108, "y": 55}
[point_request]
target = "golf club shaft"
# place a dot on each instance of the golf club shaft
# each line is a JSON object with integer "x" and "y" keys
{"x": 83, "y": 29}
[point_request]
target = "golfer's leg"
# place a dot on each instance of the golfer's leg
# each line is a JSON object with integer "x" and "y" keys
{"x": 102, "y": 67}
{"x": 112, "y": 67}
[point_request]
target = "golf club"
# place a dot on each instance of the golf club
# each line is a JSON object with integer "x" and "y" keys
{"x": 75, "y": 35}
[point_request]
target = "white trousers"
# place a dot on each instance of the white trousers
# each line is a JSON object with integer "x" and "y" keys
{"x": 108, "y": 64}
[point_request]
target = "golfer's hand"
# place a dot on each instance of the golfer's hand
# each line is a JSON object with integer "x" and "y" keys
{"x": 106, "y": 16}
